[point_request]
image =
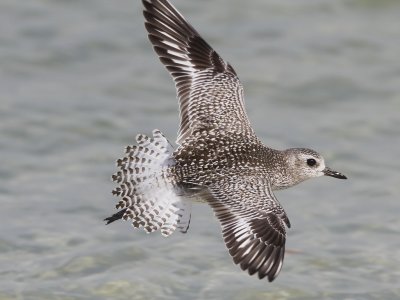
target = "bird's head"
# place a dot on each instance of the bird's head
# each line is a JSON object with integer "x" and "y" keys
{"x": 306, "y": 163}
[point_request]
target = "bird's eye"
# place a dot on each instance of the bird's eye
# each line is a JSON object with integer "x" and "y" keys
{"x": 311, "y": 162}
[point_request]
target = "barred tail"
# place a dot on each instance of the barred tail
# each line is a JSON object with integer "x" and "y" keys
{"x": 149, "y": 195}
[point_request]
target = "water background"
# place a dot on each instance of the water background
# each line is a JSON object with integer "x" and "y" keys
{"x": 78, "y": 80}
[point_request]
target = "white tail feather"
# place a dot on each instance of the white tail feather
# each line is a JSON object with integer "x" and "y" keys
{"x": 148, "y": 192}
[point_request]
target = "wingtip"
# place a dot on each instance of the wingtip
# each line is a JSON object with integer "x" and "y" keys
{"x": 115, "y": 217}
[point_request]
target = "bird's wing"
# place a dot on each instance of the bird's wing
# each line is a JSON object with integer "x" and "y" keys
{"x": 252, "y": 220}
{"x": 209, "y": 91}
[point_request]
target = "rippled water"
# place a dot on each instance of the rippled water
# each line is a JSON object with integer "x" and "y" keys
{"x": 79, "y": 79}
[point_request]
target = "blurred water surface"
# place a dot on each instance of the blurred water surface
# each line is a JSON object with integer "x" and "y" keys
{"x": 78, "y": 80}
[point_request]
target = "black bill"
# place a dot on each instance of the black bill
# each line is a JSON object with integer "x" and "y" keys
{"x": 329, "y": 172}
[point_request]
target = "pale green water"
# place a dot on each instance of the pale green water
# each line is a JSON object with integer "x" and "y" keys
{"x": 78, "y": 80}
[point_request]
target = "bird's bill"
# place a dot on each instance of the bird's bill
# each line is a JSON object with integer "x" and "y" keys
{"x": 329, "y": 172}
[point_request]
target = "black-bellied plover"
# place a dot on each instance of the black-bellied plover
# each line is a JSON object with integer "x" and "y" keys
{"x": 219, "y": 159}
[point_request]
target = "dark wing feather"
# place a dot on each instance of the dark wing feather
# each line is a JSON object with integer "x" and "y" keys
{"x": 209, "y": 91}
{"x": 253, "y": 222}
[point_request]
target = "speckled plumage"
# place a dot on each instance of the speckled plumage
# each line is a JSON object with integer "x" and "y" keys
{"x": 219, "y": 159}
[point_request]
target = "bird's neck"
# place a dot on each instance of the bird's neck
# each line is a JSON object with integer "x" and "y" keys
{"x": 279, "y": 168}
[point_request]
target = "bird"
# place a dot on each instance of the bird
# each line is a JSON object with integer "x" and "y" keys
{"x": 219, "y": 160}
